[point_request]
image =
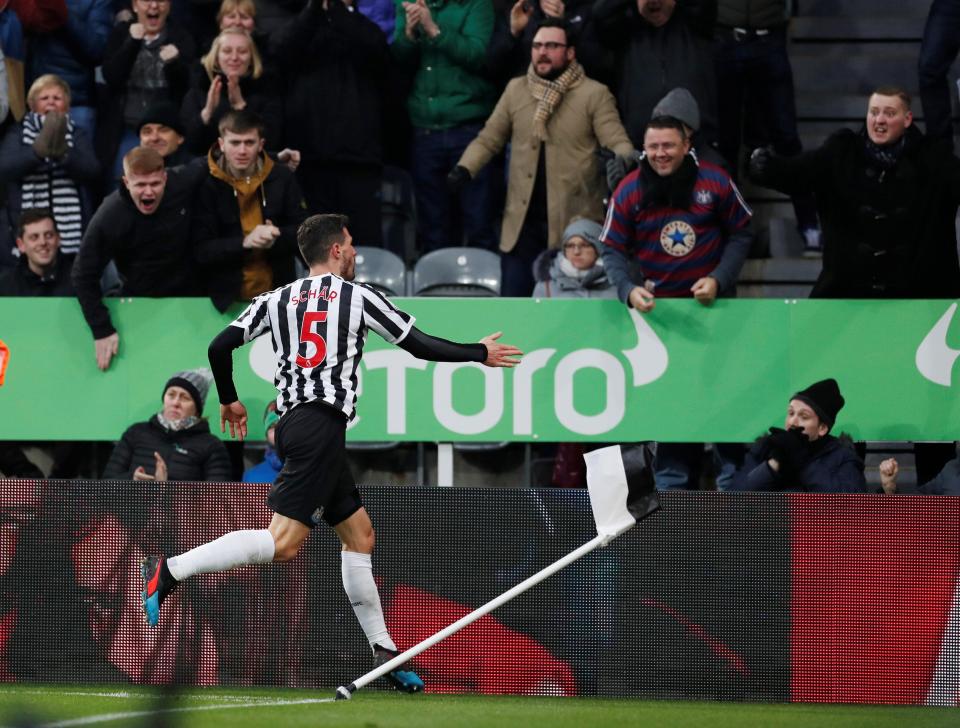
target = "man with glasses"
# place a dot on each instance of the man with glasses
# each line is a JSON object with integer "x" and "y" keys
{"x": 555, "y": 119}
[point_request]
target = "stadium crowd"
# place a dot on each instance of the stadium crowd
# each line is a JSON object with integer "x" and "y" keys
{"x": 156, "y": 148}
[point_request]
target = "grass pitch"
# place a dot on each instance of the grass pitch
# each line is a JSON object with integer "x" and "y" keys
{"x": 65, "y": 706}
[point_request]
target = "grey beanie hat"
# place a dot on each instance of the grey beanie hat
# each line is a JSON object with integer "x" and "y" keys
{"x": 681, "y": 105}
{"x": 586, "y": 229}
{"x": 195, "y": 381}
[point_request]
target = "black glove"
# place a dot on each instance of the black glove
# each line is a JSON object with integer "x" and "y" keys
{"x": 51, "y": 141}
{"x": 458, "y": 178}
{"x": 759, "y": 165}
{"x": 617, "y": 168}
{"x": 789, "y": 449}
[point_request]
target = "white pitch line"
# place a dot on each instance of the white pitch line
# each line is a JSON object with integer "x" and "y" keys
{"x": 107, "y": 717}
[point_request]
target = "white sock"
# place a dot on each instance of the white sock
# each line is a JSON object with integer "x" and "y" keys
{"x": 361, "y": 589}
{"x": 236, "y": 548}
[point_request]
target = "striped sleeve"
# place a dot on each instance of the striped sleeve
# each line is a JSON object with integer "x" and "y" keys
{"x": 734, "y": 211}
{"x": 616, "y": 227}
{"x": 383, "y": 317}
{"x": 255, "y": 319}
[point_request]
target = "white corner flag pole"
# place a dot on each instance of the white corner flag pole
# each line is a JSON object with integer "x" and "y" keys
{"x": 607, "y": 482}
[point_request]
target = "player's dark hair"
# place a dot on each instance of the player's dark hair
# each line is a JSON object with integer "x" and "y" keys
{"x": 317, "y": 235}
{"x": 240, "y": 122}
{"x": 32, "y": 215}
{"x": 667, "y": 122}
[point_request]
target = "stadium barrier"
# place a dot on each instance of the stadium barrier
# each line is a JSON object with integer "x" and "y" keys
{"x": 593, "y": 371}
{"x": 759, "y": 597}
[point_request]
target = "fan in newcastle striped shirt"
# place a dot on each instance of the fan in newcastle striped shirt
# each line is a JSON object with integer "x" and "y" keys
{"x": 318, "y": 326}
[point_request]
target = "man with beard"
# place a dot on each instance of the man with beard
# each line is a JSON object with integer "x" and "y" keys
{"x": 317, "y": 390}
{"x": 555, "y": 119}
{"x": 144, "y": 228}
{"x": 676, "y": 228}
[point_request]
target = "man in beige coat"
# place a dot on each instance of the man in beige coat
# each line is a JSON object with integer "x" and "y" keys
{"x": 555, "y": 119}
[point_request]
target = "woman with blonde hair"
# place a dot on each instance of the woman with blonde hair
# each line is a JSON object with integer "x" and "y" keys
{"x": 230, "y": 77}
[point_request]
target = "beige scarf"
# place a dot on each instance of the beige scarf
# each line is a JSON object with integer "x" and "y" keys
{"x": 549, "y": 94}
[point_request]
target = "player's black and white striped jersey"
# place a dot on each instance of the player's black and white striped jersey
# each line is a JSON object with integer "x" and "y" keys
{"x": 318, "y": 327}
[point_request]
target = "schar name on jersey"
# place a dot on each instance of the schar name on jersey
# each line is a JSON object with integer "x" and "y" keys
{"x": 324, "y": 294}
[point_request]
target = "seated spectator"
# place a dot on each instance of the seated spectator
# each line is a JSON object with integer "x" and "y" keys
{"x": 145, "y": 61}
{"x": 72, "y": 52}
{"x": 947, "y": 481}
{"x": 231, "y": 77}
{"x": 555, "y": 119}
{"x": 575, "y": 269}
{"x": 334, "y": 58}
{"x": 269, "y": 468}
{"x": 42, "y": 271}
{"x": 48, "y": 161}
{"x": 804, "y": 456}
{"x": 144, "y": 227}
{"x": 247, "y": 215}
{"x": 174, "y": 444}
{"x": 161, "y": 130}
{"x": 444, "y": 46}
{"x": 887, "y": 197}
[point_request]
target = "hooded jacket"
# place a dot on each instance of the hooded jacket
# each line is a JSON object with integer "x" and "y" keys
{"x": 218, "y": 230}
{"x": 192, "y": 454}
{"x": 554, "y": 282}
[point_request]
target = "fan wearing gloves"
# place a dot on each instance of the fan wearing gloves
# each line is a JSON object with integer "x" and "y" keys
{"x": 804, "y": 456}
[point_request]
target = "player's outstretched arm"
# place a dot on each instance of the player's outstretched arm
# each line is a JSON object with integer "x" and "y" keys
{"x": 433, "y": 348}
{"x": 500, "y": 355}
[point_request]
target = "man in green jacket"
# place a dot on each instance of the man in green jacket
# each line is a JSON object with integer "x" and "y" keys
{"x": 445, "y": 43}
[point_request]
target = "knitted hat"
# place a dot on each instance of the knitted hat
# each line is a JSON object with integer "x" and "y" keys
{"x": 270, "y": 417}
{"x": 825, "y": 399}
{"x": 586, "y": 229}
{"x": 162, "y": 112}
{"x": 681, "y": 105}
{"x": 195, "y": 381}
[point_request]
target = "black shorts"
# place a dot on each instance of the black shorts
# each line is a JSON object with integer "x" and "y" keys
{"x": 315, "y": 483}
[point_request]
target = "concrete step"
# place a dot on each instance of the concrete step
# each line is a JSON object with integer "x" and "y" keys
{"x": 863, "y": 8}
{"x": 864, "y": 28}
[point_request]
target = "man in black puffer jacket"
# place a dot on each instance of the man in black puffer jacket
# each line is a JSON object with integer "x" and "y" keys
{"x": 804, "y": 456}
{"x": 174, "y": 444}
{"x": 887, "y": 197}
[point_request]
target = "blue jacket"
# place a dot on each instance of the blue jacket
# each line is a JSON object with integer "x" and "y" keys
{"x": 265, "y": 472}
{"x": 73, "y": 51}
{"x": 831, "y": 466}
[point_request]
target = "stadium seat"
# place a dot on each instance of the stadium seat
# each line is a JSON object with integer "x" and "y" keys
{"x": 457, "y": 272}
{"x": 460, "y": 272}
{"x": 381, "y": 269}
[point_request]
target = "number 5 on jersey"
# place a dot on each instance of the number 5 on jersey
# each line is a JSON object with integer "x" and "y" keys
{"x": 308, "y": 335}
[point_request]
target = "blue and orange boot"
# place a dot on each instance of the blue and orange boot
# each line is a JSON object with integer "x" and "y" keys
{"x": 402, "y": 678}
{"x": 157, "y": 584}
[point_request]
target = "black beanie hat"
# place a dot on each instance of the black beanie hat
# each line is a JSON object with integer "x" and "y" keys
{"x": 195, "y": 381}
{"x": 162, "y": 112}
{"x": 825, "y": 399}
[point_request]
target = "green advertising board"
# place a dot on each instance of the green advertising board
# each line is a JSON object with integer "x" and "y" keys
{"x": 592, "y": 370}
